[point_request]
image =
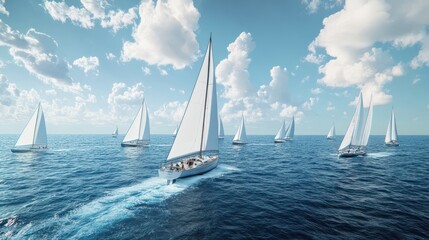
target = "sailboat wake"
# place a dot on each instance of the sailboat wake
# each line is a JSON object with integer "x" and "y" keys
{"x": 380, "y": 154}
{"x": 101, "y": 213}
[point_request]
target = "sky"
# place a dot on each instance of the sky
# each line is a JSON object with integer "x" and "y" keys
{"x": 91, "y": 62}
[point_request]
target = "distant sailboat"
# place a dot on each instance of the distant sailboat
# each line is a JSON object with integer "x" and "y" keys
{"x": 33, "y": 138}
{"x": 331, "y": 133}
{"x": 221, "y": 133}
{"x": 175, "y": 131}
{"x": 195, "y": 149}
{"x": 240, "y": 137}
{"x": 392, "y": 133}
{"x": 356, "y": 138}
{"x": 115, "y": 133}
{"x": 290, "y": 132}
{"x": 280, "y": 136}
{"x": 139, "y": 132}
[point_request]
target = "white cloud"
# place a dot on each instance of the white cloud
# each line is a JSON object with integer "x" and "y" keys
{"x": 289, "y": 111}
{"x": 87, "y": 64}
{"x": 313, "y": 58}
{"x": 36, "y": 52}
{"x": 163, "y": 72}
{"x": 146, "y": 70}
{"x": 171, "y": 111}
{"x": 51, "y": 92}
{"x": 165, "y": 34}
{"x": 313, "y": 5}
{"x": 316, "y": 91}
{"x": 8, "y": 91}
{"x": 92, "y": 11}
{"x": 2, "y": 8}
{"x": 308, "y": 105}
{"x": 123, "y": 95}
{"x": 330, "y": 107}
{"x": 416, "y": 80}
{"x": 110, "y": 56}
{"x": 361, "y": 25}
{"x": 423, "y": 56}
{"x": 276, "y": 90}
{"x": 251, "y": 108}
{"x": 232, "y": 71}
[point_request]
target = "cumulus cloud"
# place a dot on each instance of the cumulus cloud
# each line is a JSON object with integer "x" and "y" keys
{"x": 361, "y": 25}
{"x": 8, "y": 91}
{"x": 165, "y": 34}
{"x": 110, "y": 56}
{"x": 2, "y": 8}
{"x": 313, "y": 5}
{"x": 289, "y": 111}
{"x": 87, "y": 64}
{"x": 36, "y": 52}
{"x": 232, "y": 71}
{"x": 171, "y": 111}
{"x": 146, "y": 70}
{"x": 308, "y": 105}
{"x": 316, "y": 91}
{"x": 330, "y": 107}
{"x": 123, "y": 95}
{"x": 276, "y": 90}
{"x": 91, "y": 12}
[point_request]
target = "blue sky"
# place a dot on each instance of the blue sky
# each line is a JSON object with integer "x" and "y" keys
{"x": 91, "y": 62}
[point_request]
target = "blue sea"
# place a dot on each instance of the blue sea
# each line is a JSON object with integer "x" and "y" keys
{"x": 89, "y": 187}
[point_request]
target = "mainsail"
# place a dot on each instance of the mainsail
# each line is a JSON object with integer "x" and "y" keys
{"x": 291, "y": 129}
{"x": 331, "y": 133}
{"x": 241, "y": 132}
{"x": 281, "y": 133}
{"x": 198, "y": 131}
{"x": 221, "y": 132}
{"x": 392, "y": 133}
{"x": 34, "y": 134}
{"x": 139, "y": 130}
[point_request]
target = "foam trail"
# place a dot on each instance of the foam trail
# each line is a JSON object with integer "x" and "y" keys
{"x": 101, "y": 213}
{"x": 380, "y": 154}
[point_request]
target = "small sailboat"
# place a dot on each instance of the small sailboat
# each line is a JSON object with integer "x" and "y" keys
{"x": 33, "y": 138}
{"x": 280, "y": 136}
{"x": 391, "y": 138}
{"x": 175, "y": 131}
{"x": 331, "y": 133}
{"x": 240, "y": 137}
{"x": 115, "y": 133}
{"x": 290, "y": 132}
{"x": 356, "y": 138}
{"x": 221, "y": 132}
{"x": 139, "y": 132}
{"x": 195, "y": 149}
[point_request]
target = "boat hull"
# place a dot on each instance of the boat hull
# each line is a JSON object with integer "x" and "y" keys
{"x": 28, "y": 150}
{"x": 330, "y": 138}
{"x": 134, "y": 144}
{"x": 279, "y": 141}
{"x": 352, "y": 153}
{"x": 392, "y": 144}
{"x": 238, "y": 143}
{"x": 172, "y": 173}
{"x": 288, "y": 139}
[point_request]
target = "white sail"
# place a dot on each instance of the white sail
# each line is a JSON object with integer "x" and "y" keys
{"x": 359, "y": 124}
{"x": 391, "y": 134}
{"x": 291, "y": 129}
{"x": 331, "y": 133}
{"x": 241, "y": 132}
{"x": 139, "y": 129}
{"x": 35, "y": 131}
{"x": 281, "y": 133}
{"x": 198, "y": 131}
{"x": 221, "y": 132}
{"x": 347, "y": 140}
{"x": 394, "y": 129}
{"x": 115, "y": 133}
{"x": 175, "y": 131}
{"x": 367, "y": 126}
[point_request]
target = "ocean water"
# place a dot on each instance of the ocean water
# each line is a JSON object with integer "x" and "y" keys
{"x": 88, "y": 187}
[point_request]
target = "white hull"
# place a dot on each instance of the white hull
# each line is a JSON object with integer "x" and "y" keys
{"x": 392, "y": 143}
{"x": 238, "y": 142}
{"x": 135, "y": 144}
{"x": 32, "y": 149}
{"x": 288, "y": 139}
{"x": 187, "y": 168}
{"x": 351, "y": 153}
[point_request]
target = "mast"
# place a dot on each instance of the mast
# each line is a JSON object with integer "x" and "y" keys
{"x": 205, "y": 98}
{"x": 140, "y": 123}
{"x": 35, "y": 125}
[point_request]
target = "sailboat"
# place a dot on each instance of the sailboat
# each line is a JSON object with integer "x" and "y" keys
{"x": 221, "y": 132}
{"x": 115, "y": 133}
{"x": 392, "y": 133}
{"x": 280, "y": 136}
{"x": 139, "y": 132}
{"x": 195, "y": 149}
{"x": 331, "y": 133}
{"x": 356, "y": 138}
{"x": 33, "y": 138}
{"x": 175, "y": 131}
{"x": 240, "y": 137}
{"x": 290, "y": 132}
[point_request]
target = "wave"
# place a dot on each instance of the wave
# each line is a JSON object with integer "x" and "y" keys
{"x": 101, "y": 213}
